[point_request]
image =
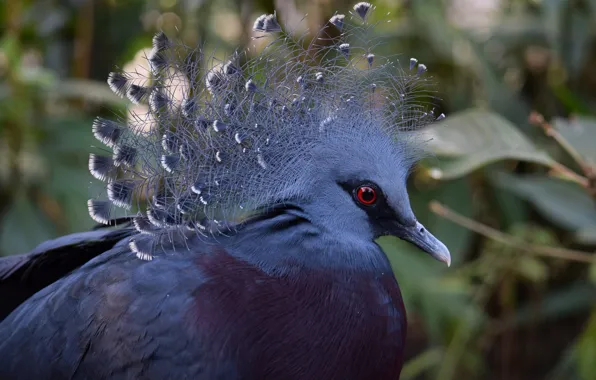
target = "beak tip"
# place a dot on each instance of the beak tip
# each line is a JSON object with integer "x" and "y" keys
{"x": 446, "y": 258}
{"x": 443, "y": 255}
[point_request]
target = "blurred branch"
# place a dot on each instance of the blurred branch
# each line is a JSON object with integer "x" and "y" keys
{"x": 83, "y": 40}
{"x": 561, "y": 171}
{"x": 538, "y": 120}
{"x": 589, "y": 179}
{"x": 509, "y": 240}
{"x": 13, "y": 11}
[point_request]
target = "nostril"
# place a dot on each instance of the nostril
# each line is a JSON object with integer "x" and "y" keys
{"x": 422, "y": 230}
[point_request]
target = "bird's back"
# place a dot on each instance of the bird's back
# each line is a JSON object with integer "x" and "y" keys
{"x": 205, "y": 315}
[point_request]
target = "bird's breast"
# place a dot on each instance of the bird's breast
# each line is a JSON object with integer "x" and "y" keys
{"x": 309, "y": 325}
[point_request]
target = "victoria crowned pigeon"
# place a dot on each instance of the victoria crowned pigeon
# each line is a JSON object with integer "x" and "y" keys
{"x": 253, "y": 190}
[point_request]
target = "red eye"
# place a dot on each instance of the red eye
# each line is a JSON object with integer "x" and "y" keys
{"x": 366, "y": 195}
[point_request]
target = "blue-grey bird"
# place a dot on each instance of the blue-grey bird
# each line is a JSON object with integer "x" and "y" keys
{"x": 255, "y": 189}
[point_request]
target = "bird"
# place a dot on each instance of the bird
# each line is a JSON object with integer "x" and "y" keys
{"x": 240, "y": 215}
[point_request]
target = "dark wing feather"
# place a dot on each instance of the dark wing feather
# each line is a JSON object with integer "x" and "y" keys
{"x": 116, "y": 317}
{"x": 21, "y": 276}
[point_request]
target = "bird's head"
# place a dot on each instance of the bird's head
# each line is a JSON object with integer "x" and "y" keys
{"x": 354, "y": 186}
{"x": 329, "y": 128}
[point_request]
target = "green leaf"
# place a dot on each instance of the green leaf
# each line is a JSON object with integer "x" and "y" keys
{"x": 512, "y": 210}
{"x": 580, "y": 132}
{"x": 586, "y": 235}
{"x": 475, "y": 138}
{"x": 564, "y": 203}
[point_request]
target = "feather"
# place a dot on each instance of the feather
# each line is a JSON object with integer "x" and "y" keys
{"x": 157, "y": 61}
{"x": 219, "y": 126}
{"x": 101, "y": 167}
{"x": 137, "y": 94}
{"x": 143, "y": 247}
{"x": 106, "y": 131}
{"x": 362, "y": 9}
{"x": 338, "y": 21}
{"x": 161, "y": 42}
{"x": 188, "y": 203}
{"x": 218, "y": 123}
{"x": 189, "y": 107}
{"x": 267, "y": 24}
{"x": 143, "y": 225}
{"x": 99, "y": 211}
{"x": 125, "y": 155}
{"x": 345, "y": 50}
{"x": 158, "y": 100}
{"x": 170, "y": 162}
{"x": 421, "y": 69}
{"x": 118, "y": 83}
{"x": 121, "y": 193}
{"x": 170, "y": 142}
{"x": 163, "y": 218}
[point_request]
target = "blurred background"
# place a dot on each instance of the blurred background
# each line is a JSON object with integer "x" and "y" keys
{"x": 510, "y": 186}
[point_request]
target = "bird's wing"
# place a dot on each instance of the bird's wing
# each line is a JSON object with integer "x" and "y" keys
{"x": 21, "y": 276}
{"x": 116, "y": 317}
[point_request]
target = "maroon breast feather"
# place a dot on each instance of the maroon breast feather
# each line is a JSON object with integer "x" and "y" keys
{"x": 349, "y": 326}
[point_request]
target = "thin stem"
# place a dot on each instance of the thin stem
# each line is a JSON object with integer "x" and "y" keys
{"x": 509, "y": 240}
{"x": 83, "y": 40}
{"x": 563, "y": 172}
{"x": 589, "y": 179}
{"x": 538, "y": 119}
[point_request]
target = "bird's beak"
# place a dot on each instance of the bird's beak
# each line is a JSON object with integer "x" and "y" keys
{"x": 421, "y": 238}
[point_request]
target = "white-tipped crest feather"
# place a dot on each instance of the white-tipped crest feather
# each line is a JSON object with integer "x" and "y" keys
{"x": 241, "y": 134}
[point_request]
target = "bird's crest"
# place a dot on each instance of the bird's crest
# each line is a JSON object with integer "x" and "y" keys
{"x": 219, "y": 141}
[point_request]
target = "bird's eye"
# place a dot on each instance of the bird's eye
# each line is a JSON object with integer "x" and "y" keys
{"x": 366, "y": 195}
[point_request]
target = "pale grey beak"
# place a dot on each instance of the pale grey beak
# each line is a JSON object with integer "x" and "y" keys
{"x": 421, "y": 238}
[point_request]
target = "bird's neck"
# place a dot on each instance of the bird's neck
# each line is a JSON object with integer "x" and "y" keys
{"x": 284, "y": 239}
